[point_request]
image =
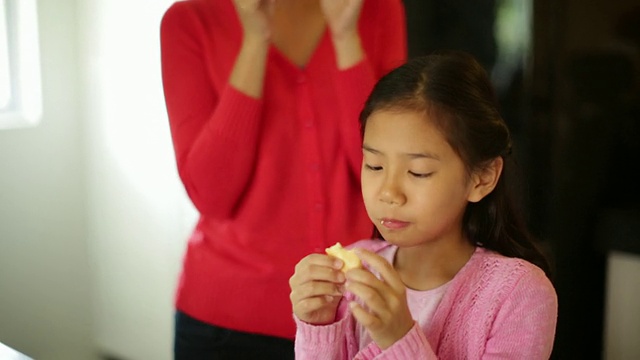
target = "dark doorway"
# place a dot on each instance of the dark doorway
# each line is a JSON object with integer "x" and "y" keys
{"x": 569, "y": 88}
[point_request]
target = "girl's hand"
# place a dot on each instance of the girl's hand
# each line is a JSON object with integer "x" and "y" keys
{"x": 316, "y": 289}
{"x": 386, "y": 314}
{"x": 255, "y": 17}
{"x": 342, "y": 16}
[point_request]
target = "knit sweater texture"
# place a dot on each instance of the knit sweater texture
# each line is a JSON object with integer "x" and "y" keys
{"x": 494, "y": 308}
{"x": 274, "y": 178}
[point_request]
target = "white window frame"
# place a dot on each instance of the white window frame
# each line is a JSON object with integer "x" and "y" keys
{"x": 22, "y": 59}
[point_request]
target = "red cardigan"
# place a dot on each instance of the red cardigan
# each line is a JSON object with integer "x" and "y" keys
{"x": 273, "y": 179}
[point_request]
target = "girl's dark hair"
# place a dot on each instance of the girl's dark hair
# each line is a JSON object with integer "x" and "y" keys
{"x": 454, "y": 88}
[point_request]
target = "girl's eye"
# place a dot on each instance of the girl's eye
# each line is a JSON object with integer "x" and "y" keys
{"x": 372, "y": 168}
{"x": 420, "y": 175}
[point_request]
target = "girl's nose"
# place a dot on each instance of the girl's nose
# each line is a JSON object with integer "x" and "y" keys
{"x": 391, "y": 193}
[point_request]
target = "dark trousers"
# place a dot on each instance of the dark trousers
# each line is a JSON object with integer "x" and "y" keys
{"x": 195, "y": 340}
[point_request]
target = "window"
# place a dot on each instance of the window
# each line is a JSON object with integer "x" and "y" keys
{"x": 20, "y": 92}
{"x": 513, "y": 39}
{"x": 5, "y": 80}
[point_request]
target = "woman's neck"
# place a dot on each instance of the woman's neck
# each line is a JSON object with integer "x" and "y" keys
{"x": 297, "y": 7}
{"x": 433, "y": 264}
{"x": 297, "y": 28}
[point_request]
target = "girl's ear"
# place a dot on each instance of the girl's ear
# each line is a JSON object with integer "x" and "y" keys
{"x": 484, "y": 181}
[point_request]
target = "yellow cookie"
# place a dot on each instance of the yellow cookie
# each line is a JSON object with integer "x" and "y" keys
{"x": 348, "y": 257}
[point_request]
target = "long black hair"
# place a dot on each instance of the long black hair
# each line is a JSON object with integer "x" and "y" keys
{"x": 454, "y": 86}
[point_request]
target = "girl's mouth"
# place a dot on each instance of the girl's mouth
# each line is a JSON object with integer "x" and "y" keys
{"x": 393, "y": 224}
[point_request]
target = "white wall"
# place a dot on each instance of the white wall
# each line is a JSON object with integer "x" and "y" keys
{"x": 138, "y": 215}
{"x": 44, "y": 270}
{"x": 622, "y": 322}
{"x": 93, "y": 219}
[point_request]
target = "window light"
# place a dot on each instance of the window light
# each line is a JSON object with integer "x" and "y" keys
{"x": 20, "y": 91}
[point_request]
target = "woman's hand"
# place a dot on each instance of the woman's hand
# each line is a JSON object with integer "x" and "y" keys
{"x": 342, "y": 16}
{"x": 386, "y": 314}
{"x": 316, "y": 289}
{"x": 255, "y": 18}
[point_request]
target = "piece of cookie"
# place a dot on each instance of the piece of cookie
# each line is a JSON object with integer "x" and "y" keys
{"x": 348, "y": 257}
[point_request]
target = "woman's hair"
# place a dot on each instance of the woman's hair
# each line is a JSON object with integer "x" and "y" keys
{"x": 455, "y": 90}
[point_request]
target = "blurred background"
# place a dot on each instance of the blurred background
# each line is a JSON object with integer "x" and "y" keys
{"x": 93, "y": 218}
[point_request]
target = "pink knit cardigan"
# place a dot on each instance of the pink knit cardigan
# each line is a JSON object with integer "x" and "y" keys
{"x": 494, "y": 308}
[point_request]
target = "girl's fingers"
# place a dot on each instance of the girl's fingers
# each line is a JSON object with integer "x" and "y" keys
{"x": 364, "y": 317}
{"x": 366, "y": 285}
{"x": 324, "y": 273}
{"x": 309, "y": 305}
{"x": 317, "y": 267}
{"x": 373, "y": 298}
{"x": 316, "y": 277}
{"x": 381, "y": 296}
{"x": 319, "y": 260}
{"x": 314, "y": 289}
{"x": 383, "y": 267}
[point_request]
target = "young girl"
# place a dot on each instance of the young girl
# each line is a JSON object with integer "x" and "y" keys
{"x": 453, "y": 273}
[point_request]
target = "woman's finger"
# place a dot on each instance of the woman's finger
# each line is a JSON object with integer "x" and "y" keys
{"x": 248, "y": 5}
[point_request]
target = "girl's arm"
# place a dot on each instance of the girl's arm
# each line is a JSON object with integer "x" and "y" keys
{"x": 335, "y": 341}
{"x": 214, "y": 131}
{"x": 526, "y": 323}
{"x": 413, "y": 345}
{"x": 319, "y": 342}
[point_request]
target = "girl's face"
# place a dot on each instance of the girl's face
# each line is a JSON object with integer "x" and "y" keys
{"x": 415, "y": 187}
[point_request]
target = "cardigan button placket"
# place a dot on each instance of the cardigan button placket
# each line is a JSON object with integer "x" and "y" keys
{"x": 312, "y": 150}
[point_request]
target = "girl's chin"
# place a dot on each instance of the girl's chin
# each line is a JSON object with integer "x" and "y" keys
{"x": 395, "y": 239}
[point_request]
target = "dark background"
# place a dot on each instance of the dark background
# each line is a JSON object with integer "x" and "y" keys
{"x": 573, "y": 105}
